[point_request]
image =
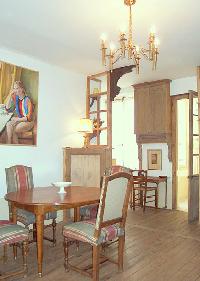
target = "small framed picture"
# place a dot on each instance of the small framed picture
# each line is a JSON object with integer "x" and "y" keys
{"x": 154, "y": 157}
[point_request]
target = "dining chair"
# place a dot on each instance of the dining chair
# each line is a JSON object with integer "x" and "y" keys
{"x": 10, "y": 234}
{"x": 142, "y": 192}
{"x": 90, "y": 211}
{"x": 20, "y": 177}
{"x": 4, "y": 257}
{"x": 109, "y": 224}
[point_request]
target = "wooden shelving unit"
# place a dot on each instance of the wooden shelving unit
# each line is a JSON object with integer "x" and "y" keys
{"x": 98, "y": 109}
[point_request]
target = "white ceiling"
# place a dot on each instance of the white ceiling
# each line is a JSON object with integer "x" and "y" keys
{"x": 67, "y": 32}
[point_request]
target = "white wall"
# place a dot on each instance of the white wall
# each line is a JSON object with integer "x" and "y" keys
{"x": 165, "y": 171}
{"x": 182, "y": 85}
{"x": 61, "y": 103}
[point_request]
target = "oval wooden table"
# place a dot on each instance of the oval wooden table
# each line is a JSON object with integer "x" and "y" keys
{"x": 44, "y": 199}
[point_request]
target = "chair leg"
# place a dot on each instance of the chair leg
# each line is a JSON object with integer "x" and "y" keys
{"x": 156, "y": 198}
{"x": 133, "y": 199}
{"x": 121, "y": 253}
{"x": 25, "y": 253}
{"x": 95, "y": 262}
{"x": 5, "y": 256}
{"x": 15, "y": 251}
{"x": 145, "y": 198}
{"x": 34, "y": 233}
{"x": 141, "y": 198}
{"x": 54, "y": 232}
{"x": 66, "y": 253}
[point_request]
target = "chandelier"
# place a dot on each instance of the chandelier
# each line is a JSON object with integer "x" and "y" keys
{"x": 128, "y": 49}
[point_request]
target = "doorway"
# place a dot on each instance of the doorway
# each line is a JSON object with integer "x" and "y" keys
{"x": 182, "y": 154}
{"x": 124, "y": 145}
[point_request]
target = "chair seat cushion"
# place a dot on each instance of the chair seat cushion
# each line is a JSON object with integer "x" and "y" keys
{"x": 4, "y": 222}
{"x": 12, "y": 233}
{"x": 89, "y": 212}
{"x": 84, "y": 231}
{"x": 28, "y": 218}
{"x": 25, "y": 217}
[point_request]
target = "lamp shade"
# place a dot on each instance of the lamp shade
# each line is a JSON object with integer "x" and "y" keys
{"x": 85, "y": 126}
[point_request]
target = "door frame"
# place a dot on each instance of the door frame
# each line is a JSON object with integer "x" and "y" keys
{"x": 175, "y": 146}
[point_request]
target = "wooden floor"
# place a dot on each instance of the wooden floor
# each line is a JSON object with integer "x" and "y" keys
{"x": 160, "y": 246}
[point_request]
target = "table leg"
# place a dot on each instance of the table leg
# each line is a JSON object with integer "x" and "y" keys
{"x": 40, "y": 231}
{"x": 76, "y": 214}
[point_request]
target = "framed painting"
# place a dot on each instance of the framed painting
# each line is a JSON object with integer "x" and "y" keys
{"x": 18, "y": 105}
{"x": 154, "y": 157}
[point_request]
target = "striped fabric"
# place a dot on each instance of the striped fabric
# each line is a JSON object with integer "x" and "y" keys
{"x": 28, "y": 218}
{"x": 19, "y": 178}
{"x": 12, "y": 233}
{"x": 89, "y": 212}
{"x": 25, "y": 217}
{"x": 3, "y": 222}
{"x": 84, "y": 231}
{"x": 23, "y": 107}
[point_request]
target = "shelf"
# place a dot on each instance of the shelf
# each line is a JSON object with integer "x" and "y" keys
{"x": 100, "y": 129}
{"x": 98, "y": 94}
{"x": 92, "y": 112}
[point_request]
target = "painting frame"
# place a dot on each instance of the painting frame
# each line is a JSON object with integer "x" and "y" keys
{"x": 154, "y": 159}
{"x": 19, "y": 89}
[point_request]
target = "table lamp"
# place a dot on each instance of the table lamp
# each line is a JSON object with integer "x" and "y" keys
{"x": 85, "y": 127}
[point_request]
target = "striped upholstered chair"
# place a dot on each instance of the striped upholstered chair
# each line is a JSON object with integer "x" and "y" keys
{"x": 10, "y": 234}
{"x": 20, "y": 177}
{"x": 109, "y": 224}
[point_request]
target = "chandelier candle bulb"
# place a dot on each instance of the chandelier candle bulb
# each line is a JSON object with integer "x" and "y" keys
{"x": 137, "y": 48}
{"x": 153, "y": 30}
{"x": 156, "y": 42}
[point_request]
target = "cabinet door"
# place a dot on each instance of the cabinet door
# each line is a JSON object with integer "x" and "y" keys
{"x": 152, "y": 108}
{"x": 142, "y": 111}
{"x": 158, "y": 108}
{"x": 85, "y": 170}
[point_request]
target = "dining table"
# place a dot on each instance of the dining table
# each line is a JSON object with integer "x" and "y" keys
{"x": 41, "y": 200}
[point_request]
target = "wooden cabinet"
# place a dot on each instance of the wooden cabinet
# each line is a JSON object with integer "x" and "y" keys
{"x": 85, "y": 166}
{"x": 152, "y": 107}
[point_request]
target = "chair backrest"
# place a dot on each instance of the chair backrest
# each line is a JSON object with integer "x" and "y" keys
{"x": 140, "y": 179}
{"x": 19, "y": 177}
{"x": 118, "y": 168}
{"x": 139, "y": 173}
{"x": 114, "y": 200}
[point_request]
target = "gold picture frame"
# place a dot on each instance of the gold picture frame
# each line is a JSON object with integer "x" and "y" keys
{"x": 154, "y": 157}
